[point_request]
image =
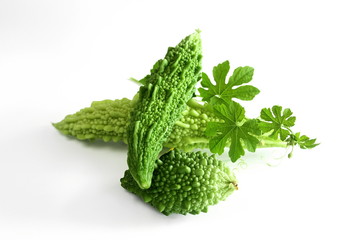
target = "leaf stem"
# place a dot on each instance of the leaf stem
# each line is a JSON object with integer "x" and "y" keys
{"x": 267, "y": 142}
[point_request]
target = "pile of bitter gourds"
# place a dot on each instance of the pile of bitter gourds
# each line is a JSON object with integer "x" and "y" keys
{"x": 164, "y": 114}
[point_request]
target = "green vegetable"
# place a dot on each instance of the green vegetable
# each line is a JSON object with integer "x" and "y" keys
{"x": 185, "y": 183}
{"x": 161, "y": 101}
{"x": 106, "y": 120}
{"x": 189, "y": 132}
{"x": 162, "y": 113}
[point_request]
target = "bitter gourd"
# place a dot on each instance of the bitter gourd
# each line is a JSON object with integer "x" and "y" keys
{"x": 107, "y": 120}
{"x": 162, "y": 98}
{"x": 185, "y": 182}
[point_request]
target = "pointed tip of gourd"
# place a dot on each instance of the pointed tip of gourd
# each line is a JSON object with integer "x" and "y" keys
{"x": 143, "y": 182}
{"x": 55, "y": 125}
{"x": 196, "y": 34}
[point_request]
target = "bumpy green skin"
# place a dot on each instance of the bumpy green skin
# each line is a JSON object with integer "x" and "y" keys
{"x": 185, "y": 182}
{"x": 161, "y": 100}
{"x": 107, "y": 120}
{"x": 189, "y": 131}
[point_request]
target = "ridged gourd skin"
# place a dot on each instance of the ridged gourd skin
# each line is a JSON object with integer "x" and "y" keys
{"x": 162, "y": 99}
{"x": 108, "y": 120}
{"x": 185, "y": 182}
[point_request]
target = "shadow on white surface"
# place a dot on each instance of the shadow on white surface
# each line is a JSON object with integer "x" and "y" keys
{"x": 71, "y": 182}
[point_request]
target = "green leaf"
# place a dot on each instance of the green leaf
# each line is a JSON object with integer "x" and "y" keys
{"x": 236, "y": 149}
{"x": 234, "y": 129}
{"x": 241, "y": 75}
{"x": 250, "y": 128}
{"x": 220, "y": 72}
{"x": 230, "y": 113}
{"x": 218, "y": 143}
{"x": 212, "y": 128}
{"x": 223, "y": 92}
{"x": 277, "y": 121}
{"x": 245, "y": 93}
{"x": 303, "y": 141}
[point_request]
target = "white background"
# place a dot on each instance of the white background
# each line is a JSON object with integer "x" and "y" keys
{"x": 56, "y": 57}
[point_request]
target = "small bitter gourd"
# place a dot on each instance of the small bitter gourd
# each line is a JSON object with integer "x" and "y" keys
{"x": 185, "y": 182}
{"x": 162, "y": 98}
{"x": 107, "y": 120}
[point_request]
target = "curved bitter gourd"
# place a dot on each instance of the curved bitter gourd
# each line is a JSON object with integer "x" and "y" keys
{"x": 163, "y": 97}
{"x": 107, "y": 120}
{"x": 185, "y": 182}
